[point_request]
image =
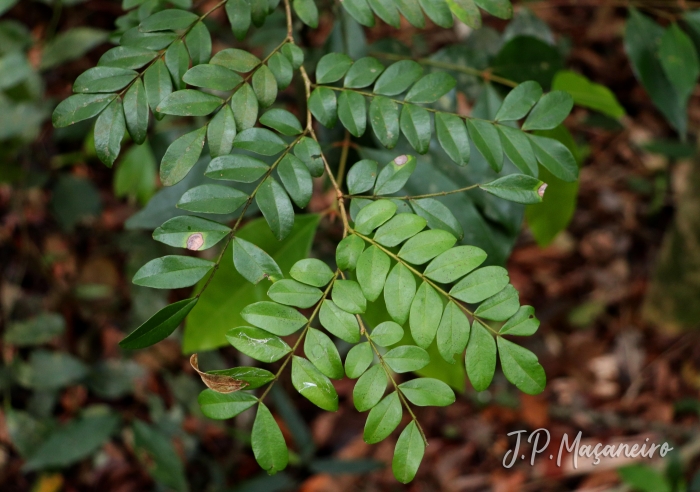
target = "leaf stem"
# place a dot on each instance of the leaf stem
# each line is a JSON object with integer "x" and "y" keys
{"x": 415, "y": 197}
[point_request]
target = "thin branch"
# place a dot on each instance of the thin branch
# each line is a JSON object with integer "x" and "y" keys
{"x": 343, "y": 159}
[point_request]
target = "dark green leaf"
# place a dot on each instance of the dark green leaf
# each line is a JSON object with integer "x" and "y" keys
{"x": 454, "y": 263}
{"x": 340, "y": 323}
{"x": 321, "y": 351}
{"x": 426, "y": 310}
{"x": 426, "y": 392}
{"x": 136, "y": 111}
{"x": 452, "y": 135}
{"x": 127, "y": 57}
{"x": 245, "y": 107}
{"x": 374, "y": 215}
{"x": 453, "y": 332}
{"x": 415, "y": 125}
{"x": 220, "y": 406}
{"x": 158, "y": 84}
{"x": 437, "y": 215}
{"x": 332, "y": 67}
{"x": 395, "y": 174}
{"x": 181, "y": 156}
{"x": 363, "y": 73}
{"x": 296, "y": 179}
{"x": 426, "y": 245}
{"x": 80, "y": 107}
{"x": 258, "y": 344}
{"x": 679, "y": 61}
{"x": 37, "y": 330}
{"x": 399, "y": 228}
{"x": 238, "y": 12}
{"x": 274, "y": 318}
{"x": 519, "y": 101}
{"x": 159, "y": 326}
{"x": 172, "y": 272}
{"x": 411, "y": 10}
{"x": 398, "y": 77}
{"x": 221, "y": 132}
{"x": 387, "y": 333}
{"x": 480, "y": 358}
{"x": 168, "y": 20}
{"x": 555, "y": 157}
{"x": 372, "y": 269}
{"x": 550, "y": 111}
{"x": 479, "y": 285}
{"x": 265, "y": 86}
{"x": 386, "y": 11}
{"x": 358, "y": 360}
{"x": 466, "y": 11}
{"x": 431, "y": 87}
{"x": 323, "y": 106}
{"x": 253, "y": 263}
{"x": 586, "y": 93}
{"x": 311, "y": 272}
{"x": 348, "y": 252}
{"x": 212, "y": 77}
{"x": 522, "y": 323}
{"x": 177, "y": 59}
{"x": 198, "y": 42}
{"x": 517, "y": 188}
{"x": 360, "y": 11}
{"x": 282, "y": 69}
{"x": 361, "y": 176}
{"x": 275, "y": 205}
{"x": 383, "y": 419}
{"x": 236, "y": 60}
{"x": 521, "y": 367}
{"x": 294, "y": 54}
{"x": 352, "y": 111}
{"x": 408, "y": 453}
{"x": 384, "y": 117}
{"x": 517, "y": 147}
{"x": 438, "y": 12}
{"x": 498, "y": 8}
{"x": 399, "y": 291}
{"x": 307, "y": 12}
{"x": 267, "y": 441}
{"x": 281, "y": 120}
{"x": 189, "y": 102}
{"x": 103, "y": 79}
{"x": 488, "y": 143}
{"x": 109, "y": 132}
{"x": 370, "y": 388}
{"x": 193, "y": 233}
{"x": 260, "y": 141}
{"x": 308, "y": 150}
{"x": 236, "y": 167}
{"x": 293, "y": 293}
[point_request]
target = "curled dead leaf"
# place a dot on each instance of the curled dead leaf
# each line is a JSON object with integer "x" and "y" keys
{"x": 218, "y": 382}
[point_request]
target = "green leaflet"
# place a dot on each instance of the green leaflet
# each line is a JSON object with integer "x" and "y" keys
{"x": 550, "y": 111}
{"x": 383, "y": 419}
{"x": 254, "y": 376}
{"x": 181, "y": 156}
{"x": 437, "y": 215}
{"x": 363, "y": 73}
{"x": 340, "y": 323}
{"x": 238, "y": 12}
{"x": 427, "y": 392}
{"x": 348, "y": 252}
{"x": 276, "y": 207}
{"x": 466, "y": 11}
{"x": 522, "y": 323}
{"x": 159, "y": 326}
{"x": 281, "y": 120}
{"x": 386, "y": 11}
{"x": 282, "y": 69}
{"x": 237, "y": 60}
{"x": 453, "y": 332}
{"x": 516, "y": 146}
{"x": 398, "y": 77}
{"x": 308, "y": 150}
{"x": 517, "y": 188}
{"x": 321, "y": 351}
{"x": 426, "y": 245}
{"x": 679, "y": 61}
{"x": 128, "y": 57}
{"x": 323, "y": 106}
{"x": 358, "y": 360}
{"x": 425, "y": 314}
{"x": 348, "y": 296}
{"x": 588, "y": 94}
{"x": 521, "y": 367}
{"x": 555, "y": 157}
{"x": 264, "y": 86}
{"x": 360, "y": 11}
{"x": 398, "y": 229}
{"x": 189, "y": 102}
{"x": 431, "y": 87}
{"x": 332, "y": 67}
{"x": 198, "y": 42}
{"x": 399, "y": 290}
{"x": 274, "y": 318}
{"x": 498, "y": 8}
{"x": 221, "y": 132}
{"x": 109, "y": 132}
{"x": 480, "y": 284}
{"x": 166, "y": 20}
{"x": 372, "y": 269}
{"x": 294, "y": 54}
{"x": 411, "y": 10}
{"x": 454, "y": 263}
{"x": 480, "y": 358}
{"x": 361, "y": 176}
{"x": 312, "y": 272}
{"x": 245, "y": 107}
{"x": 103, "y": 79}
{"x": 488, "y": 143}
{"x": 374, "y": 215}
{"x": 406, "y": 358}
{"x": 158, "y": 85}
{"x": 384, "y": 117}
{"x": 193, "y": 233}
{"x": 293, "y": 293}
{"x": 307, "y": 12}
{"x": 519, "y": 101}
{"x": 387, "y": 333}
{"x": 80, "y": 107}
{"x": 177, "y": 59}
{"x": 172, "y": 272}
{"x": 236, "y": 167}
{"x": 370, "y": 388}
{"x": 258, "y": 344}
{"x": 313, "y": 385}
{"x": 500, "y": 306}
{"x": 212, "y": 77}
{"x": 395, "y": 174}
{"x": 438, "y": 12}
{"x": 220, "y": 406}
{"x": 415, "y": 125}
{"x": 452, "y": 135}
{"x": 352, "y": 111}
{"x": 296, "y": 179}
{"x": 260, "y": 141}
{"x": 267, "y": 441}
{"x": 253, "y": 263}
{"x": 408, "y": 453}
{"x": 136, "y": 112}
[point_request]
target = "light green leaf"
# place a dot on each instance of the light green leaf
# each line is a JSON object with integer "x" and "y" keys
{"x": 425, "y": 392}
{"x": 311, "y": 272}
{"x": 272, "y": 317}
{"x": 348, "y": 252}
{"x": 245, "y": 108}
{"x": 267, "y": 441}
{"x": 158, "y": 85}
{"x": 322, "y": 352}
{"x": 136, "y": 112}
{"x": 363, "y": 73}
{"x": 221, "y": 132}
{"x": 500, "y": 306}
{"x": 437, "y": 215}
{"x": 361, "y": 176}
{"x": 296, "y": 179}
{"x": 453, "y": 332}
{"x": 80, "y": 107}
{"x": 257, "y": 343}
{"x": 374, "y": 215}
{"x": 276, "y": 207}
{"x": 293, "y": 293}
{"x": 307, "y": 12}
{"x": 555, "y": 157}
{"x": 588, "y": 94}
{"x": 237, "y": 60}
{"x": 193, "y": 233}
{"x": 181, "y": 156}
{"x": 399, "y": 291}
{"x": 643, "y": 478}
{"x": 332, "y": 67}
{"x": 260, "y": 141}
{"x": 517, "y": 188}
{"x": 466, "y": 11}
{"x": 408, "y": 453}
{"x": 452, "y": 135}
{"x": 282, "y": 69}
{"x": 323, "y": 106}
{"x": 426, "y": 310}
{"x": 415, "y": 125}
{"x": 517, "y": 147}
{"x": 550, "y": 111}
{"x": 159, "y": 326}
{"x": 387, "y": 333}
{"x": 522, "y": 323}
{"x": 480, "y": 284}
{"x": 168, "y": 20}
{"x": 399, "y": 228}
{"x": 480, "y": 358}
{"x": 406, "y": 358}
{"x": 488, "y": 143}
{"x": 398, "y": 77}
{"x": 426, "y": 245}
{"x": 253, "y": 263}
{"x": 281, "y": 120}
{"x": 236, "y": 167}
{"x": 340, "y": 323}
{"x": 238, "y": 12}
{"x": 383, "y": 419}
{"x": 352, "y": 111}
{"x": 454, "y": 263}
{"x": 384, "y": 117}
{"x": 172, "y": 272}
{"x": 220, "y": 406}
{"x": 313, "y": 385}
{"x": 370, "y": 388}
{"x": 431, "y": 87}
{"x": 103, "y": 79}
{"x": 521, "y": 367}
{"x": 358, "y": 360}
{"x": 212, "y": 77}
{"x": 308, "y": 150}
{"x": 348, "y": 296}
{"x": 36, "y": 330}
{"x": 519, "y": 101}
{"x": 395, "y": 174}
{"x": 109, "y": 132}
{"x": 372, "y": 269}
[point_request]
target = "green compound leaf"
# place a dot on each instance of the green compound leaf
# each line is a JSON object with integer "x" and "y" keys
{"x": 293, "y": 293}
{"x": 103, "y": 79}
{"x": 221, "y": 406}
{"x": 517, "y": 188}
{"x": 399, "y": 290}
{"x": 254, "y": 376}
{"x": 550, "y": 111}
{"x": 172, "y": 272}
{"x": 480, "y": 358}
{"x": 522, "y": 323}
{"x": 501, "y": 306}
{"x": 323, "y": 106}
{"x": 521, "y": 367}
{"x": 352, "y": 111}
{"x": 408, "y": 453}
{"x": 296, "y": 179}
{"x": 370, "y": 388}
{"x": 257, "y": 343}
{"x": 452, "y": 135}
{"x": 453, "y": 332}
{"x": 426, "y": 310}
{"x": 322, "y": 352}
{"x": 426, "y": 392}
{"x": 416, "y": 127}
{"x": 236, "y": 167}
{"x": 395, "y": 174}
{"x": 358, "y": 360}
{"x": 311, "y": 272}
{"x": 340, "y": 323}
{"x": 361, "y": 176}
{"x": 406, "y": 358}
{"x": 221, "y": 132}
{"x": 181, "y": 156}
{"x": 519, "y": 101}
{"x": 517, "y": 147}
{"x": 383, "y": 419}
{"x": 431, "y": 87}
{"x": 372, "y": 269}
{"x": 454, "y": 263}
{"x": 281, "y": 120}
{"x": 480, "y": 284}
{"x": 398, "y": 77}
{"x": 212, "y": 77}
{"x": 387, "y": 333}
{"x": 253, "y": 263}
{"x": 437, "y": 215}
{"x": 374, "y": 215}
{"x": 399, "y": 228}
{"x": 80, "y": 107}
{"x": 193, "y": 233}
{"x": 267, "y": 441}
{"x": 276, "y": 207}
{"x": 272, "y": 317}
{"x": 348, "y": 252}
{"x": 363, "y": 73}
{"x": 426, "y": 245}
{"x": 384, "y": 117}
{"x": 332, "y": 67}
{"x": 488, "y": 143}
{"x": 347, "y": 295}
{"x": 159, "y": 326}
{"x": 313, "y": 385}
